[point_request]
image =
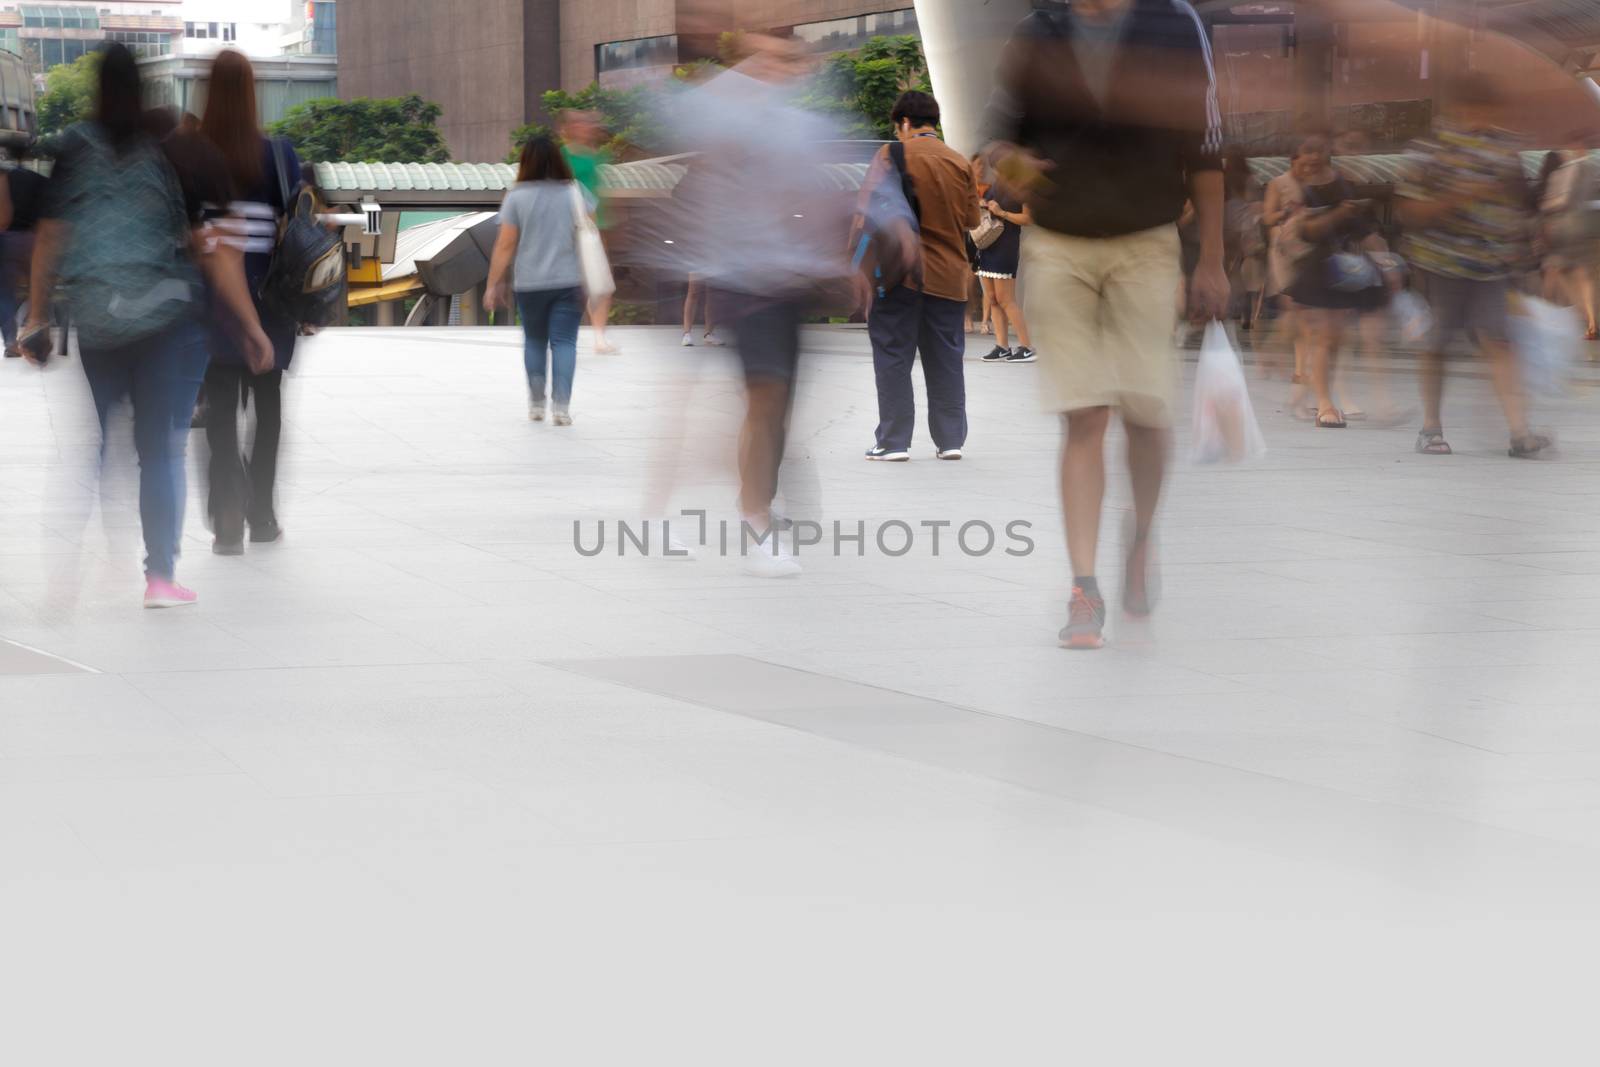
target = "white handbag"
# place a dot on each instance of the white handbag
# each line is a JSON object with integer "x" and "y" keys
{"x": 592, "y": 262}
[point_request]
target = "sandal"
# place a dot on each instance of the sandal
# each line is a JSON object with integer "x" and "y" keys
{"x": 1432, "y": 443}
{"x": 1528, "y": 446}
{"x": 1330, "y": 419}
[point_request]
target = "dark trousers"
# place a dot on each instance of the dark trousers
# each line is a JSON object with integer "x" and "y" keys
{"x": 904, "y": 322}
{"x": 242, "y": 488}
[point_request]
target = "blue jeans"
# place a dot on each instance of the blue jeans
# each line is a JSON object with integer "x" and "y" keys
{"x": 162, "y": 375}
{"x": 550, "y": 319}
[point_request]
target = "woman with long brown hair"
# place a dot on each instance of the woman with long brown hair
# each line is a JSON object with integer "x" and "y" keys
{"x": 535, "y": 265}
{"x": 263, "y": 175}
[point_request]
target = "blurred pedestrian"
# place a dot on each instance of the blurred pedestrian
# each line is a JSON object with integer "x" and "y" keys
{"x": 1106, "y": 115}
{"x": 760, "y": 222}
{"x": 1337, "y": 278}
{"x": 262, "y": 177}
{"x": 922, "y": 315}
{"x": 123, "y": 222}
{"x": 1282, "y": 202}
{"x": 22, "y": 194}
{"x": 1244, "y": 245}
{"x": 997, "y": 270}
{"x": 1570, "y": 227}
{"x": 535, "y": 266}
{"x": 985, "y": 286}
{"x": 1465, "y": 206}
{"x": 583, "y": 146}
{"x": 697, "y": 296}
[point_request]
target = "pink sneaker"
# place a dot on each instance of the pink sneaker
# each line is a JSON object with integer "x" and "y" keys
{"x": 163, "y": 593}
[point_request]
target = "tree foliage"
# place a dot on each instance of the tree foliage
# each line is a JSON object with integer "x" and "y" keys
{"x": 401, "y": 129}
{"x": 68, "y": 95}
{"x": 625, "y": 113}
{"x": 858, "y": 89}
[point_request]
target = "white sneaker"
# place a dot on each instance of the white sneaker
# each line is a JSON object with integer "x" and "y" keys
{"x": 535, "y": 411}
{"x": 562, "y": 418}
{"x": 949, "y": 453}
{"x": 764, "y": 562}
{"x": 688, "y": 341}
{"x": 713, "y": 340}
{"x": 671, "y": 547}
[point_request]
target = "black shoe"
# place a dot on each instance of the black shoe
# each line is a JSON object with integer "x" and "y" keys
{"x": 265, "y": 533}
{"x": 997, "y": 355}
{"x": 1021, "y": 354}
{"x": 219, "y": 547}
{"x": 889, "y": 455}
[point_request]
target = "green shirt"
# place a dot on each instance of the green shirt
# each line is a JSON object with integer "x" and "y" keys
{"x": 585, "y": 164}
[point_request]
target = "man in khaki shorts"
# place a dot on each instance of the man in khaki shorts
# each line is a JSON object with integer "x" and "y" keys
{"x": 1106, "y": 110}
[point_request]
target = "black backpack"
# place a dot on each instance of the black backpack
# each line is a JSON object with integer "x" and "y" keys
{"x": 306, "y": 281}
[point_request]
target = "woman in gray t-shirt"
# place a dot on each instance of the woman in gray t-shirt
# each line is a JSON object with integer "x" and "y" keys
{"x": 535, "y": 263}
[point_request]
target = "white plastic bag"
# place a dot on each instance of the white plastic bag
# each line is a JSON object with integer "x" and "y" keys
{"x": 1225, "y": 427}
{"x": 1548, "y": 340}
{"x": 1413, "y": 319}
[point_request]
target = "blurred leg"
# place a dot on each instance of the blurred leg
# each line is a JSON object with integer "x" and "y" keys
{"x": 943, "y": 346}
{"x": 893, "y": 327}
{"x": 534, "y": 310}
{"x": 167, "y": 373}
{"x": 1083, "y": 484}
{"x": 996, "y": 313}
{"x": 225, "y": 498}
{"x": 261, "y": 507}
{"x": 565, "y": 316}
{"x": 1506, "y": 377}
{"x": 1005, "y": 297}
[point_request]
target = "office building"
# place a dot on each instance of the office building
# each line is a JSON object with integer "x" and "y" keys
{"x": 489, "y": 71}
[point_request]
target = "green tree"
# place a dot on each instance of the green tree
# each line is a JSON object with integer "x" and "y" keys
{"x": 401, "y": 129}
{"x": 858, "y": 89}
{"x": 627, "y": 114}
{"x": 68, "y": 96}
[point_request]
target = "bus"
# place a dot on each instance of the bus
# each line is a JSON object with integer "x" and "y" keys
{"x": 18, "y": 124}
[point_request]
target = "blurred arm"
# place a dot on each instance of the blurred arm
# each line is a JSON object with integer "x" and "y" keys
{"x": 505, "y": 250}
{"x": 48, "y": 239}
{"x": 223, "y": 266}
{"x": 869, "y": 184}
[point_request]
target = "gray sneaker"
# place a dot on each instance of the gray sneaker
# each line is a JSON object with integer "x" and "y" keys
{"x": 1086, "y": 622}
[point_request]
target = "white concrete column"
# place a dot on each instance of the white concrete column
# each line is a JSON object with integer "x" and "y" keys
{"x": 385, "y": 313}
{"x": 471, "y": 308}
{"x": 963, "y": 40}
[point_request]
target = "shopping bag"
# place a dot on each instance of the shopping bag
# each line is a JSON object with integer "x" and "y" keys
{"x": 1225, "y": 427}
{"x": 592, "y": 261}
{"x": 1413, "y": 320}
{"x": 1548, "y": 340}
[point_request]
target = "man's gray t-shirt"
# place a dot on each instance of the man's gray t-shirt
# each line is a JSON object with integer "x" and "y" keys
{"x": 547, "y": 246}
{"x": 1095, "y": 42}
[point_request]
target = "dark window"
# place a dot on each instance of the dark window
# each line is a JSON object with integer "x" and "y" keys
{"x": 639, "y": 54}
{"x": 843, "y": 35}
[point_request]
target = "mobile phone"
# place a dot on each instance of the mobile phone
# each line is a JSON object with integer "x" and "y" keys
{"x": 37, "y": 344}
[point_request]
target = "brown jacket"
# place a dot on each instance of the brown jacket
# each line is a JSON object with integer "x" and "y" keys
{"x": 948, "y": 196}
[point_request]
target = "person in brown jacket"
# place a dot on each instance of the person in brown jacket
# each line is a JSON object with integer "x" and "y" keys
{"x": 926, "y": 311}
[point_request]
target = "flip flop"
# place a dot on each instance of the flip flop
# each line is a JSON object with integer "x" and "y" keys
{"x": 1331, "y": 419}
